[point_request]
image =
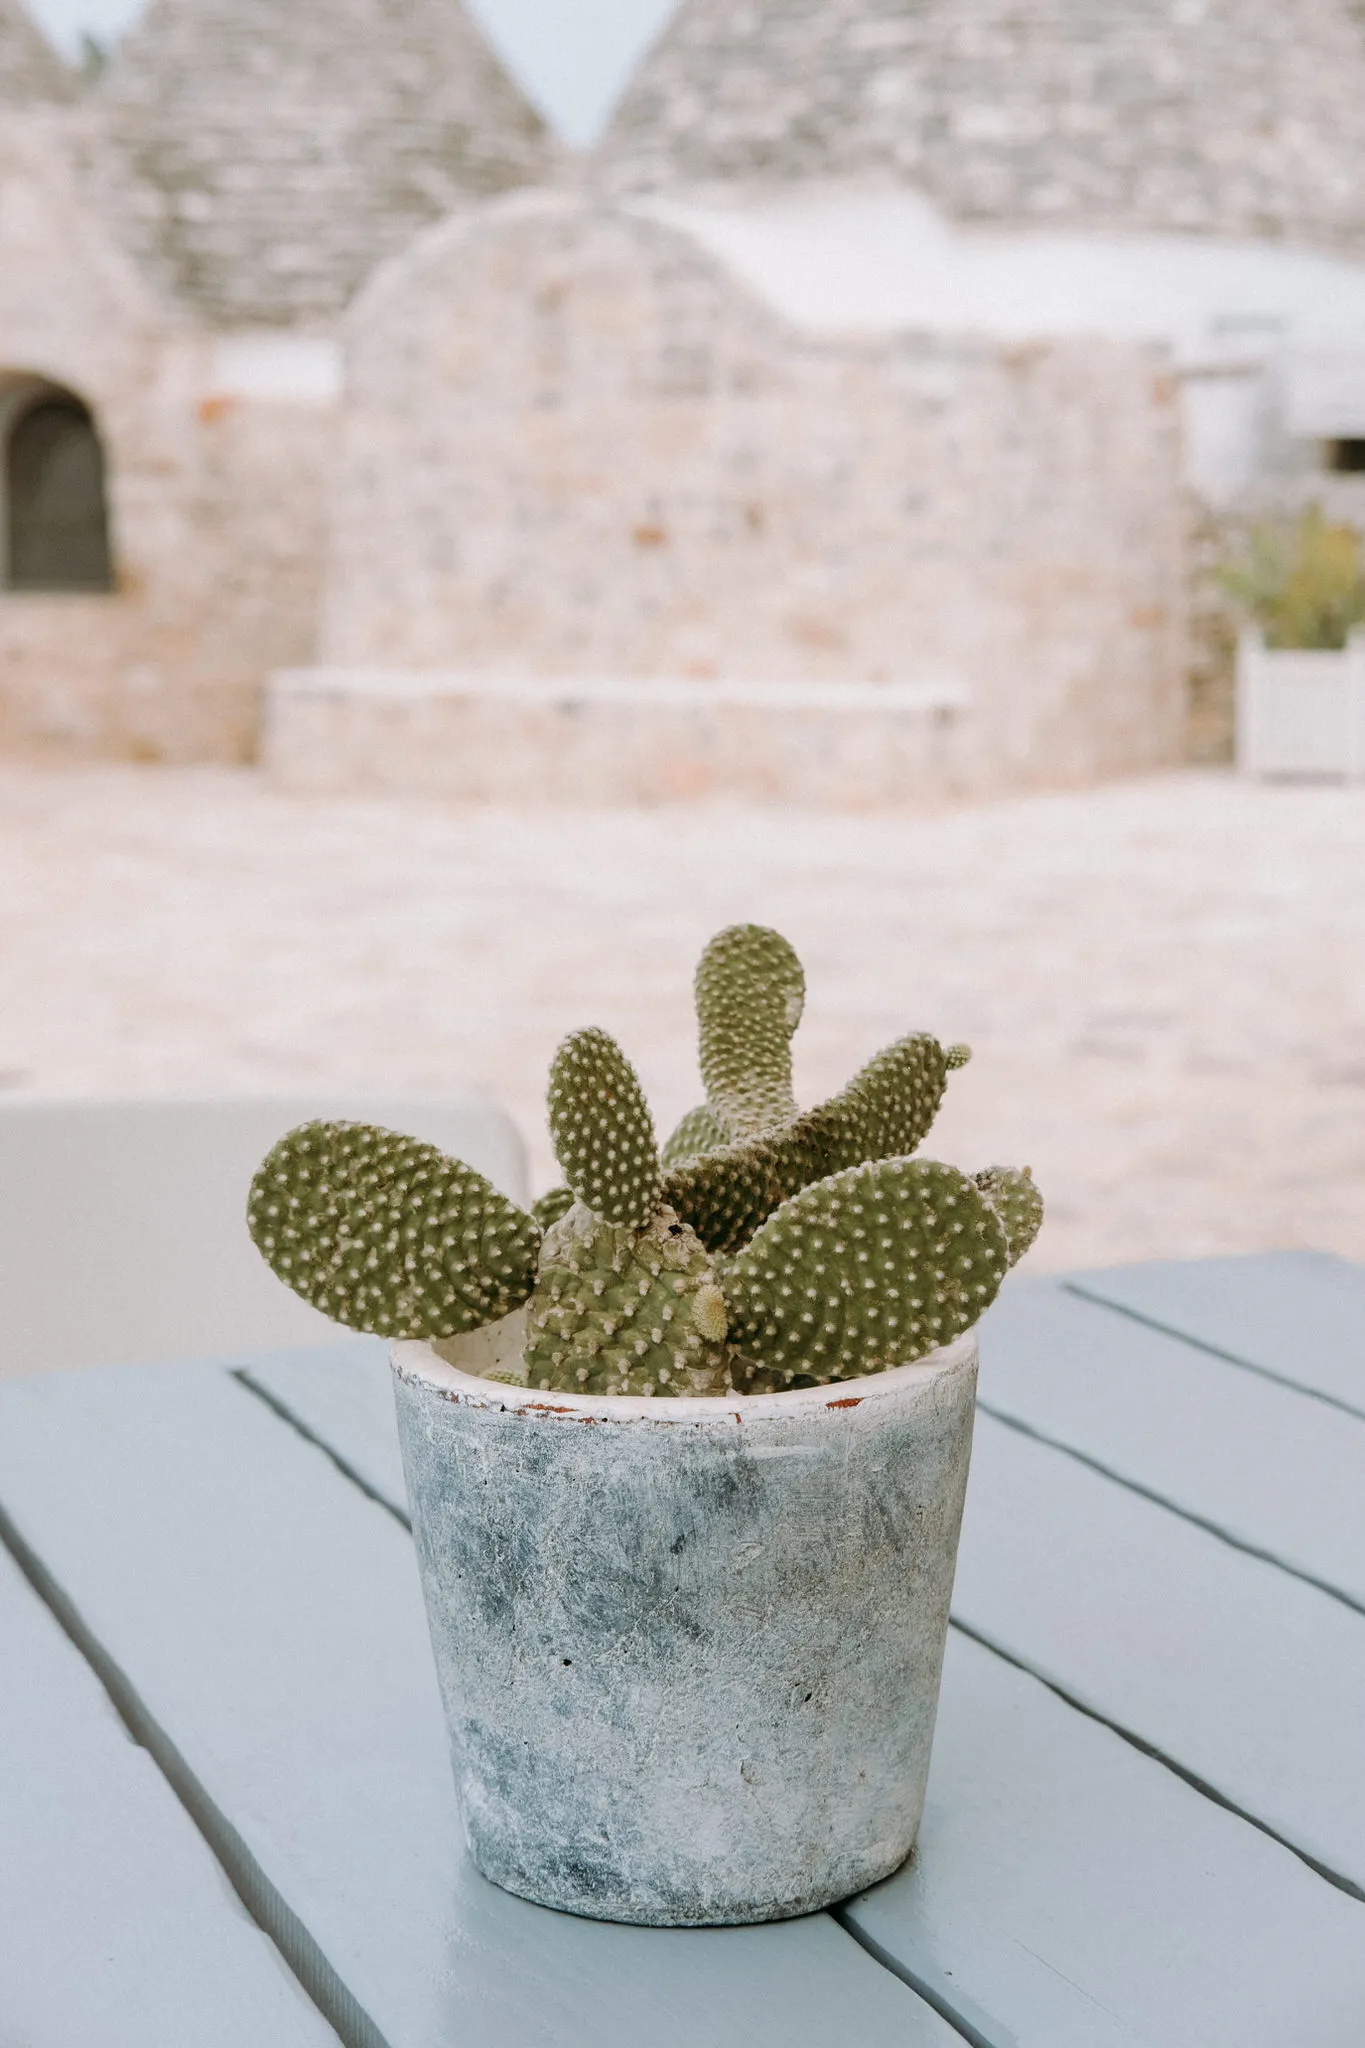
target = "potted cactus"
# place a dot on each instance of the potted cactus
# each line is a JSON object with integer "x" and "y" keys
{"x": 1300, "y": 708}
{"x": 686, "y": 1449}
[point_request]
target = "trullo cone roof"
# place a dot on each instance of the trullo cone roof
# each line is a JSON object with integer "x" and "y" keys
{"x": 1243, "y": 117}
{"x": 30, "y": 70}
{"x": 264, "y": 155}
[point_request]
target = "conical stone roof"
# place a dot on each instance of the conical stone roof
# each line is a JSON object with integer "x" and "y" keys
{"x": 261, "y": 156}
{"x": 1239, "y": 117}
{"x": 31, "y": 72}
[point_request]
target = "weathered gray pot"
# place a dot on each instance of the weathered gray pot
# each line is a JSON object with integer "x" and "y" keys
{"x": 689, "y": 1650}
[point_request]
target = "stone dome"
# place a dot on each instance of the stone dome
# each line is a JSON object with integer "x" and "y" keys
{"x": 1234, "y": 117}
{"x": 261, "y": 158}
{"x": 30, "y": 69}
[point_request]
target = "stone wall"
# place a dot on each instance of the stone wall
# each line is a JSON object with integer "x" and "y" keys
{"x": 1232, "y": 117}
{"x": 573, "y": 445}
{"x": 215, "y": 502}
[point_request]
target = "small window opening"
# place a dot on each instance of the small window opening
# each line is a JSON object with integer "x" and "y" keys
{"x": 1347, "y": 457}
{"x": 56, "y": 520}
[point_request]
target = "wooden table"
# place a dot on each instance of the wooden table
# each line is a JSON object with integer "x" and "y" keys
{"x": 1146, "y": 1819}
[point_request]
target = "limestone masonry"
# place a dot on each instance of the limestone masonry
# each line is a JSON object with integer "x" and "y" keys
{"x": 884, "y": 346}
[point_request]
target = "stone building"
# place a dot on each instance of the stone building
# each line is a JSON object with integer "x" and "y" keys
{"x": 846, "y": 426}
{"x": 176, "y": 249}
{"x": 1180, "y": 171}
{"x": 577, "y": 446}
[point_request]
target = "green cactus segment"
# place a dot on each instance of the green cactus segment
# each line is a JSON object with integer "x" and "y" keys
{"x": 874, "y": 1267}
{"x": 602, "y": 1130}
{"x": 553, "y": 1204}
{"x": 727, "y": 1194}
{"x": 887, "y": 1109}
{"x": 776, "y": 1249}
{"x": 699, "y": 1131}
{"x": 387, "y": 1234}
{"x": 750, "y": 991}
{"x": 1017, "y": 1202}
{"x": 619, "y": 1311}
{"x": 883, "y": 1113}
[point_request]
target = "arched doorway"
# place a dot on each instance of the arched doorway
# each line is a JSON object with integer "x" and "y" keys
{"x": 56, "y": 524}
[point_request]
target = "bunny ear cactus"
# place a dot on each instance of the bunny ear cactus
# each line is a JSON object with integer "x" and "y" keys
{"x": 750, "y": 990}
{"x": 602, "y": 1130}
{"x": 884, "y": 1261}
{"x": 697, "y": 1132}
{"x": 623, "y": 1311}
{"x": 884, "y": 1112}
{"x": 1017, "y": 1202}
{"x": 389, "y": 1235}
{"x": 769, "y": 1247}
{"x": 625, "y": 1299}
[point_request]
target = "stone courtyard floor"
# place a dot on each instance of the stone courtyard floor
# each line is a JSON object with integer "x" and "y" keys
{"x": 1163, "y": 981}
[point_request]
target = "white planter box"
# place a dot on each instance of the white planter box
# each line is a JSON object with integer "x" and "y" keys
{"x": 1301, "y": 711}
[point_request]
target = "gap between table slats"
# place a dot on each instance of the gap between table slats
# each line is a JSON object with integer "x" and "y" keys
{"x": 1173, "y": 1507}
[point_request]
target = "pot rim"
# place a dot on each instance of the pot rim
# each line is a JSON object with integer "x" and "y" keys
{"x": 414, "y": 1361}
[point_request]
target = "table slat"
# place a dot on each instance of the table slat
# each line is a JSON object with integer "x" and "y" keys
{"x": 343, "y": 1395}
{"x": 268, "y": 1614}
{"x": 1300, "y": 1315}
{"x": 1245, "y": 1677}
{"x": 116, "y": 1927}
{"x": 1084, "y": 1897}
{"x": 1274, "y": 1472}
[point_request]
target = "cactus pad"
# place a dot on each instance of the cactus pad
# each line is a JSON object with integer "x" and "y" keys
{"x": 620, "y": 1311}
{"x": 553, "y": 1204}
{"x": 725, "y": 1195}
{"x": 389, "y": 1235}
{"x": 886, "y": 1110}
{"x": 699, "y": 1131}
{"x": 602, "y": 1129}
{"x": 1018, "y": 1204}
{"x": 750, "y": 991}
{"x": 873, "y": 1267}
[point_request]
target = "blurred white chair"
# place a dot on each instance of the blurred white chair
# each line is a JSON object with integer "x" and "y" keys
{"x": 123, "y": 1234}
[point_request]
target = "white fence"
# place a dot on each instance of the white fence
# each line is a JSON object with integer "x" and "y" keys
{"x": 1301, "y": 711}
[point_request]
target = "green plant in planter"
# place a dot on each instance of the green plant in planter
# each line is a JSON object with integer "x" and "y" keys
{"x": 1303, "y": 584}
{"x": 767, "y": 1247}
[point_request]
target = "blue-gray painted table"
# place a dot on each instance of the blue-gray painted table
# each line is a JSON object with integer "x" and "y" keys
{"x": 1146, "y": 1818}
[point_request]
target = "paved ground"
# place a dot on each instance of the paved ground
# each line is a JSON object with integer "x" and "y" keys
{"x": 1164, "y": 982}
